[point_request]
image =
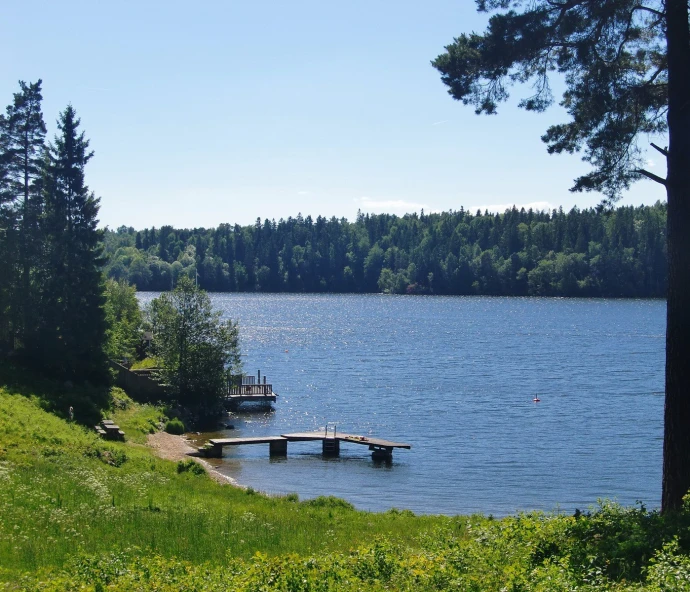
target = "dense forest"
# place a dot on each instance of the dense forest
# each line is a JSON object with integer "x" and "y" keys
{"x": 593, "y": 252}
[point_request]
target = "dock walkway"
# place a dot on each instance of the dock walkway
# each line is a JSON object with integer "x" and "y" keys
{"x": 330, "y": 443}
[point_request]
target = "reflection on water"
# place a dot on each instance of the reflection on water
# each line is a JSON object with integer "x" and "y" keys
{"x": 456, "y": 377}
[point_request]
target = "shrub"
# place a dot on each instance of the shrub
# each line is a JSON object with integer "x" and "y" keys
{"x": 330, "y": 501}
{"x": 120, "y": 399}
{"x": 190, "y": 466}
{"x": 174, "y": 426}
{"x": 145, "y": 364}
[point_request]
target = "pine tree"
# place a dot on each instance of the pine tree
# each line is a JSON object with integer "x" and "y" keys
{"x": 73, "y": 324}
{"x": 22, "y": 145}
{"x": 625, "y": 65}
{"x": 7, "y": 227}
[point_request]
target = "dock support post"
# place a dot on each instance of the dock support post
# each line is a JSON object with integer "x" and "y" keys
{"x": 277, "y": 448}
{"x": 381, "y": 453}
{"x": 331, "y": 447}
{"x": 214, "y": 451}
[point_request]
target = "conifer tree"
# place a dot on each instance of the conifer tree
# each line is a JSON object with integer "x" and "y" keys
{"x": 22, "y": 147}
{"x": 73, "y": 324}
{"x": 625, "y": 65}
{"x": 7, "y": 226}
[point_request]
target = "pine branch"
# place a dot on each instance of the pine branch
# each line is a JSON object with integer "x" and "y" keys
{"x": 651, "y": 176}
{"x": 658, "y": 13}
{"x": 662, "y": 150}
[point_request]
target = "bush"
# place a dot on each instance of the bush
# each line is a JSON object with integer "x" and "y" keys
{"x": 119, "y": 399}
{"x": 190, "y": 466}
{"x": 174, "y": 426}
{"x": 145, "y": 364}
{"x": 330, "y": 501}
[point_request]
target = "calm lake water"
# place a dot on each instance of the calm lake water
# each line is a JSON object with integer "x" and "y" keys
{"x": 455, "y": 378}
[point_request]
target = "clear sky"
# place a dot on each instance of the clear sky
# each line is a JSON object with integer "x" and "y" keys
{"x": 211, "y": 112}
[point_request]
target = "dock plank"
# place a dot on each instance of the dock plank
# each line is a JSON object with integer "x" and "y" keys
{"x": 241, "y": 441}
{"x": 354, "y": 439}
{"x": 367, "y": 440}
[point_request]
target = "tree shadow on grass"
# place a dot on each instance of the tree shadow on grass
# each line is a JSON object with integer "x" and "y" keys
{"x": 55, "y": 396}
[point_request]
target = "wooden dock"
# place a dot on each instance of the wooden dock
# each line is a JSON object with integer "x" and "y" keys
{"x": 330, "y": 444}
{"x": 249, "y": 389}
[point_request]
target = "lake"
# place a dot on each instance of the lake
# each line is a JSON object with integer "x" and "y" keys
{"x": 455, "y": 377}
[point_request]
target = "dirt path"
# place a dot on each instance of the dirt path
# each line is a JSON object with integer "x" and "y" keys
{"x": 176, "y": 448}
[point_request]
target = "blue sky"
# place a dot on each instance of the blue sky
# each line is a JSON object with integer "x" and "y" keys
{"x": 228, "y": 111}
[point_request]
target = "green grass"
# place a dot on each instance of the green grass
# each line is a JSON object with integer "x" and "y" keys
{"x": 145, "y": 364}
{"x": 137, "y": 421}
{"x": 80, "y": 513}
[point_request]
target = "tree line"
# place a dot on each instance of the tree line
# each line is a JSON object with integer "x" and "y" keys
{"x": 592, "y": 252}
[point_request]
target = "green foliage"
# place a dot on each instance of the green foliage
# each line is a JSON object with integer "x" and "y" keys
{"x": 58, "y": 396}
{"x": 120, "y": 399}
{"x": 123, "y": 319}
{"x": 68, "y": 498}
{"x": 136, "y": 420}
{"x": 669, "y": 569}
{"x": 331, "y": 502}
{"x": 71, "y": 338}
{"x": 624, "y": 66}
{"x": 110, "y": 455}
{"x": 196, "y": 349}
{"x": 22, "y": 150}
{"x": 174, "y": 426}
{"x": 145, "y": 364}
{"x": 613, "y": 55}
{"x": 588, "y": 253}
{"x": 190, "y": 466}
{"x": 77, "y": 512}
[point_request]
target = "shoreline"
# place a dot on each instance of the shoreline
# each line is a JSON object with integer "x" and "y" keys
{"x": 177, "y": 448}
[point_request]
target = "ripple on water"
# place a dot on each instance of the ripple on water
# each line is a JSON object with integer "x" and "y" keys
{"x": 455, "y": 377}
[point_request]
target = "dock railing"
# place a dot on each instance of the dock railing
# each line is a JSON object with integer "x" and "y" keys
{"x": 251, "y": 389}
{"x": 242, "y": 384}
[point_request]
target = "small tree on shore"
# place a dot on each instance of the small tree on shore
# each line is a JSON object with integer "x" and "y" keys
{"x": 124, "y": 320}
{"x": 195, "y": 347}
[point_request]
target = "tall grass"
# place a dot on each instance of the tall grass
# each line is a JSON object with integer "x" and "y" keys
{"x": 64, "y": 490}
{"x": 77, "y": 512}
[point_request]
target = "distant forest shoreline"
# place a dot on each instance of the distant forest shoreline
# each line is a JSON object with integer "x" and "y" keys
{"x": 585, "y": 253}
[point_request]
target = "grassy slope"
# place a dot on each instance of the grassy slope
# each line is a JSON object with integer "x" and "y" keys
{"x": 75, "y": 510}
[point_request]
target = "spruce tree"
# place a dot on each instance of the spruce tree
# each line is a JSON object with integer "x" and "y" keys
{"x": 73, "y": 323}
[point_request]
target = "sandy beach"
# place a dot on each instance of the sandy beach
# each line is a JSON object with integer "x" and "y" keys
{"x": 176, "y": 448}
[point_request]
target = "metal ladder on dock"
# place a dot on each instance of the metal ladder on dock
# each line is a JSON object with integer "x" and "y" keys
{"x": 331, "y": 446}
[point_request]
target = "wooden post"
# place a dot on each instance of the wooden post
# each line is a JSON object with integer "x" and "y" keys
{"x": 380, "y": 453}
{"x": 278, "y": 448}
{"x": 215, "y": 451}
{"x": 331, "y": 447}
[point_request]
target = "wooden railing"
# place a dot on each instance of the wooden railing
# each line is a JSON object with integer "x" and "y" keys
{"x": 251, "y": 389}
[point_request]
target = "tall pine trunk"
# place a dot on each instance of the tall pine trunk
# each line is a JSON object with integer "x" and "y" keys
{"x": 676, "y": 477}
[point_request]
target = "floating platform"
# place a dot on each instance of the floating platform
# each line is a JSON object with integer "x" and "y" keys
{"x": 234, "y": 401}
{"x": 330, "y": 444}
{"x": 249, "y": 389}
